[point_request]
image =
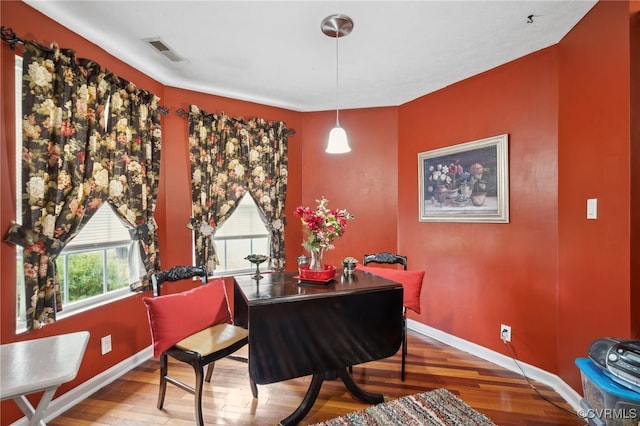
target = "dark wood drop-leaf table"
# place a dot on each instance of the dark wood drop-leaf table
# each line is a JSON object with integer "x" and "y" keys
{"x": 313, "y": 329}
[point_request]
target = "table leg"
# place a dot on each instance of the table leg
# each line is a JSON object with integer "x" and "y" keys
{"x": 357, "y": 391}
{"x": 306, "y": 404}
{"x": 314, "y": 389}
{"x": 35, "y": 415}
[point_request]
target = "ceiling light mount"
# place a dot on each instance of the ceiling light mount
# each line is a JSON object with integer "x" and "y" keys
{"x": 336, "y": 26}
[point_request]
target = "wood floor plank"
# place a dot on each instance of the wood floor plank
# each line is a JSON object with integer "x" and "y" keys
{"x": 504, "y": 396}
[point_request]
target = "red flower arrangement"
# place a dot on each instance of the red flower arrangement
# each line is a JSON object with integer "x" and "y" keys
{"x": 322, "y": 225}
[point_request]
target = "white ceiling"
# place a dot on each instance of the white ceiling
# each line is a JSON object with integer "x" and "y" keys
{"x": 274, "y": 53}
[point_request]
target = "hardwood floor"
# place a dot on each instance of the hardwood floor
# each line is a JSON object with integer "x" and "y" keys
{"x": 502, "y": 395}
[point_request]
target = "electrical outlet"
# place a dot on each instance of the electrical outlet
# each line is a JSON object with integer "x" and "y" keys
{"x": 106, "y": 344}
{"x": 505, "y": 333}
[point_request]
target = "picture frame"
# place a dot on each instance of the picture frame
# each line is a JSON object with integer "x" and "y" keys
{"x": 468, "y": 182}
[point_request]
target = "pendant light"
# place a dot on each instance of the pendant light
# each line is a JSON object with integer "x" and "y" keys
{"x": 337, "y": 26}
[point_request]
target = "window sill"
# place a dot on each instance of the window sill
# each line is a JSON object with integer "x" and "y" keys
{"x": 94, "y": 302}
{"x": 83, "y": 306}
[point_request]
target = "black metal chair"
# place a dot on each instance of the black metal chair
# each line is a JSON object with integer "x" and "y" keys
{"x": 391, "y": 258}
{"x": 385, "y": 257}
{"x": 201, "y": 348}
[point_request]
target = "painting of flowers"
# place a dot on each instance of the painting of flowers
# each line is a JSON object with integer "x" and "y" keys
{"x": 467, "y": 182}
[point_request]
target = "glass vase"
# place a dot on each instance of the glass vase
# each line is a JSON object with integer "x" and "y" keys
{"x": 316, "y": 263}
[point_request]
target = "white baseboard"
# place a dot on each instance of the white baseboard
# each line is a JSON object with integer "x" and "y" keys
{"x": 84, "y": 390}
{"x": 564, "y": 390}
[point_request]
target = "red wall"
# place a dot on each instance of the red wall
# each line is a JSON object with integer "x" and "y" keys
{"x": 364, "y": 181}
{"x": 594, "y": 285}
{"x": 635, "y": 159}
{"x": 559, "y": 280}
{"x": 479, "y": 275}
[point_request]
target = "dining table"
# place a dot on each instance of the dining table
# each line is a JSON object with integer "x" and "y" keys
{"x": 39, "y": 365}
{"x": 303, "y": 328}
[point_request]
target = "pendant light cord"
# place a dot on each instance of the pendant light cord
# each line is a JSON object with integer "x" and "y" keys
{"x": 337, "y": 90}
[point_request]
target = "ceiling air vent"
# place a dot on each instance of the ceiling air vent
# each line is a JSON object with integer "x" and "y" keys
{"x": 161, "y": 47}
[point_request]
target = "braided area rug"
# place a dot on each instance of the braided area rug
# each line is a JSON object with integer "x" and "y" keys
{"x": 438, "y": 407}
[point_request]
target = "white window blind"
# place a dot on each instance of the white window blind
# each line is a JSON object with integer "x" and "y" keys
{"x": 105, "y": 227}
{"x": 245, "y": 221}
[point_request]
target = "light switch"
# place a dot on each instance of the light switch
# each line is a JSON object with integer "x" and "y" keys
{"x": 592, "y": 208}
{"x": 105, "y": 344}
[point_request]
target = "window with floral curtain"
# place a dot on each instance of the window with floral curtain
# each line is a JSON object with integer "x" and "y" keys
{"x": 71, "y": 165}
{"x": 229, "y": 158}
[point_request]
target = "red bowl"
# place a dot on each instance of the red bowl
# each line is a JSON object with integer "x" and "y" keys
{"x": 328, "y": 273}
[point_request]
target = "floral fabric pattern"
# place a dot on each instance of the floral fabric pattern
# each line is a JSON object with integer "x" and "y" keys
{"x": 229, "y": 158}
{"x": 75, "y": 157}
{"x": 134, "y": 170}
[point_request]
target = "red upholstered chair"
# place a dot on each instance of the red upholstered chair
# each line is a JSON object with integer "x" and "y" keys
{"x": 411, "y": 282}
{"x": 194, "y": 327}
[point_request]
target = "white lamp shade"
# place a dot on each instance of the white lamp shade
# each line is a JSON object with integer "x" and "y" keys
{"x": 338, "y": 143}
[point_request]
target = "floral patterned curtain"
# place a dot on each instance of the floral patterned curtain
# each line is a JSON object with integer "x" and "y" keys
{"x": 228, "y": 158}
{"x": 268, "y": 181}
{"x": 133, "y": 161}
{"x": 67, "y": 165}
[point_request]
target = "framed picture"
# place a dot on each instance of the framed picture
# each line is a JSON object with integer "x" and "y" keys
{"x": 468, "y": 182}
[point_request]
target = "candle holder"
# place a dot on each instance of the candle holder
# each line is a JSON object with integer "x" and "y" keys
{"x": 257, "y": 259}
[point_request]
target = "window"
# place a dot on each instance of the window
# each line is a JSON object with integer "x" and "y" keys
{"x": 242, "y": 234}
{"x": 92, "y": 268}
{"x": 95, "y": 262}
